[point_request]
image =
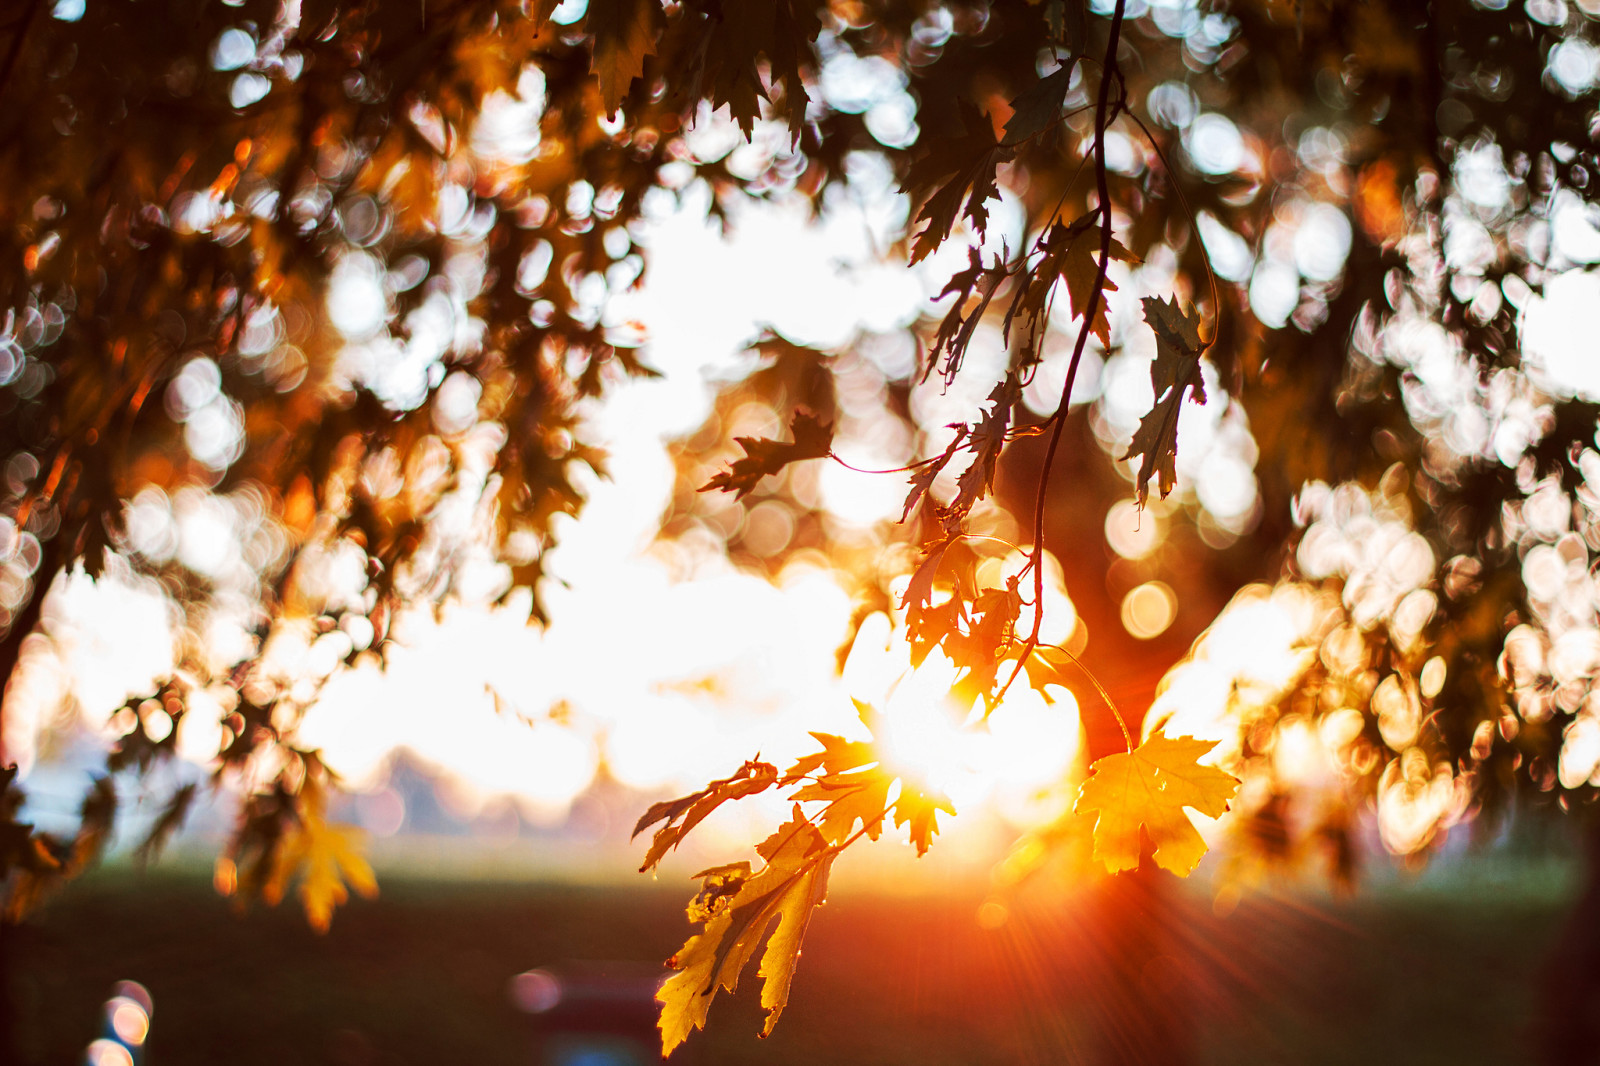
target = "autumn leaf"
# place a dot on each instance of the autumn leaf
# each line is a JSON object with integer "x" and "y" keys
{"x": 737, "y": 905}
{"x": 1079, "y": 268}
{"x": 754, "y": 776}
{"x": 787, "y": 889}
{"x": 922, "y": 477}
{"x": 1150, "y": 787}
{"x": 852, "y": 786}
{"x": 728, "y": 61}
{"x": 988, "y": 438}
{"x": 1068, "y": 253}
{"x": 1175, "y": 370}
{"x": 813, "y": 439}
{"x": 624, "y": 33}
{"x": 980, "y": 651}
{"x": 855, "y": 785}
{"x": 918, "y": 808}
{"x": 919, "y": 591}
{"x": 168, "y": 822}
{"x": 955, "y": 331}
{"x": 931, "y": 626}
{"x": 326, "y": 857}
{"x": 1038, "y": 106}
{"x": 954, "y": 171}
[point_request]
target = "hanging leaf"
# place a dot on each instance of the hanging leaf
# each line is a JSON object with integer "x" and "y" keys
{"x": 1039, "y": 106}
{"x": 919, "y": 809}
{"x": 739, "y": 42}
{"x": 793, "y": 882}
{"x": 169, "y": 821}
{"x": 754, "y": 776}
{"x": 624, "y": 33}
{"x": 955, "y": 331}
{"x": 923, "y": 477}
{"x": 1175, "y": 371}
{"x": 988, "y": 438}
{"x": 326, "y": 858}
{"x": 813, "y": 439}
{"x": 1150, "y": 786}
{"x": 955, "y": 171}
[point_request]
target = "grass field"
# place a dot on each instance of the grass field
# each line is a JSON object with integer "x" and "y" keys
{"x": 1436, "y": 972}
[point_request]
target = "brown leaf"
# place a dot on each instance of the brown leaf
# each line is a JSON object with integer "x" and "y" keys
{"x": 1038, "y": 106}
{"x": 1175, "y": 370}
{"x": 954, "y": 171}
{"x": 624, "y": 33}
{"x": 923, "y": 477}
{"x": 955, "y": 332}
{"x": 813, "y": 439}
{"x": 988, "y": 438}
{"x": 728, "y": 65}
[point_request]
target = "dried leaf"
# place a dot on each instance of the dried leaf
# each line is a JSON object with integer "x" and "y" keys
{"x": 955, "y": 332}
{"x": 1038, "y": 106}
{"x": 954, "y": 171}
{"x": 1150, "y": 786}
{"x": 624, "y": 33}
{"x": 1175, "y": 371}
{"x": 923, "y": 477}
{"x": 753, "y": 777}
{"x": 988, "y": 438}
{"x": 813, "y": 439}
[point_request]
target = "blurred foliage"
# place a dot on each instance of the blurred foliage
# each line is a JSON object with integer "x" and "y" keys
{"x": 339, "y": 272}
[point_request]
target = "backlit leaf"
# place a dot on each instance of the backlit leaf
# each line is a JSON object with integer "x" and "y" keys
{"x": 1038, "y": 106}
{"x": 624, "y": 33}
{"x": 954, "y": 171}
{"x": 792, "y": 883}
{"x": 813, "y": 439}
{"x": 923, "y": 477}
{"x": 1150, "y": 787}
{"x": 1174, "y": 371}
{"x": 754, "y": 776}
{"x": 326, "y": 857}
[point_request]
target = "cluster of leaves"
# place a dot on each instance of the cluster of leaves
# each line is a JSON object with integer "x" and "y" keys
{"x": 167, "y": 204}
{"x": 847, "y": 791}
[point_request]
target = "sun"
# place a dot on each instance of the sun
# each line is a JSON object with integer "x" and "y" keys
{"x": 1024, "y": 747}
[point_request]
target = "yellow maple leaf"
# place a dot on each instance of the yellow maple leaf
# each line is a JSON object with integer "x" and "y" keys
{"x": 791, "y": 884}
{"x": 1150, "y": 786}
{"x": 753, "y": 777}
{"x": 327, "y": 857}
{"x": 862, "y": 796}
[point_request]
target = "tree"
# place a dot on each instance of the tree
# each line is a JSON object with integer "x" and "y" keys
{"x": 310, "y": 262}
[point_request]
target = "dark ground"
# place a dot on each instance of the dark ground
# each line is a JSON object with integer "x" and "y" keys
{"x": 1397, "y": 975}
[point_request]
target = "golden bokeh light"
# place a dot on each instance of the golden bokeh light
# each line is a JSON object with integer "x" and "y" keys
{"x": 1149, "y": 609}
